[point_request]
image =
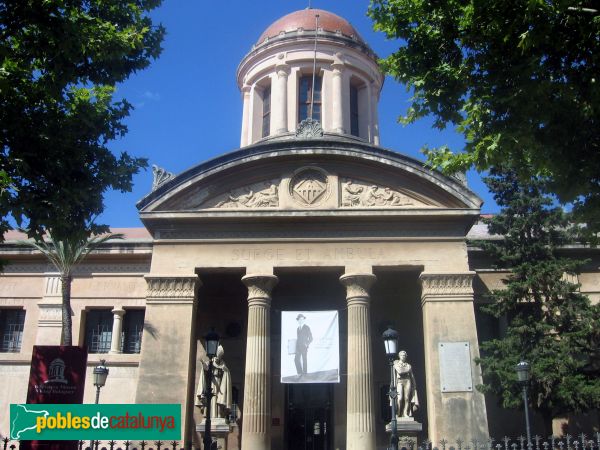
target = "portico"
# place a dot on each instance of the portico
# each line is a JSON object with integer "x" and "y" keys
{"x": 382, "y": 237}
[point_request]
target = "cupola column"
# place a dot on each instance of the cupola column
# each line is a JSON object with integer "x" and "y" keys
{"x": 337, "y": 94}
{"x": 246, "y": 95}
{"x": 280, "y": 121}
{"x": 374, "y": 115}
{"x": 256, "y": 427}
{"x": 360, "y": 415}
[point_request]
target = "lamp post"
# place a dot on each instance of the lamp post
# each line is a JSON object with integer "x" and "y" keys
{"x": 524, "y": 375}
{"x": 390, "y": 339}
{"x": 211, "y": 345}
{"x": 100, "y": 375}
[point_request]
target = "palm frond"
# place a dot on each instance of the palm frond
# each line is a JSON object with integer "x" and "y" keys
{"x": 65, "y": 254}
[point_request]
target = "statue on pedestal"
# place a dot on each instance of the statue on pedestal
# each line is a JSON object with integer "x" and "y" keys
{"x": 221, "y": 388}
{"x": 407, "y": 400}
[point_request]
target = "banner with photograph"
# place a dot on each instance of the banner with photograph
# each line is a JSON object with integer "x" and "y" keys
{"x": 310, "y": 347}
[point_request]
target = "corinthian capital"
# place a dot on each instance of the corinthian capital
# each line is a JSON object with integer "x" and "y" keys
{"x": 357, "y": 284}
{"x": 259, "y": 286}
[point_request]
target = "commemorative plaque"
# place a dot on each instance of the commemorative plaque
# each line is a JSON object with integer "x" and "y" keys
{"x": 455, "y": 367}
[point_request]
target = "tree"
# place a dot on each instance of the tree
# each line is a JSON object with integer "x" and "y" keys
{"x": 60, "y": 62}
{"x": 65, "y": 255}
{"x": 520, "y": 79}
{"x": 550, "y": 323}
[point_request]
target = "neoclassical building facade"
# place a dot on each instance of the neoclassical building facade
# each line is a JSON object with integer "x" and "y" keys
{"x": 310, "y": 214}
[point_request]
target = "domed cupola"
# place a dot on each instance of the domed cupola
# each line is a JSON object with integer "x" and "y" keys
{"x": 310, "y": 64}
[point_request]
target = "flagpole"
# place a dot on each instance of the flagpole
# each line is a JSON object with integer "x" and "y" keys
{"x": 312, "y": 91}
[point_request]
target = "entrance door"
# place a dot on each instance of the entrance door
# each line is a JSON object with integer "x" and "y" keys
{"x": 308, "y": 420}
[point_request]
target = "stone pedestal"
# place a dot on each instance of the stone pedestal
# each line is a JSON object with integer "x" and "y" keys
{"x": 407, "y": 430}
{"x": 219, "y": 430}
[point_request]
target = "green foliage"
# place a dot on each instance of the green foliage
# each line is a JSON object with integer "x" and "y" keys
{"x": 550, "y": 323}
{"x": 65, "y": 254}
{"x": 60, "y": 61}
{"x": 520, "y": 79}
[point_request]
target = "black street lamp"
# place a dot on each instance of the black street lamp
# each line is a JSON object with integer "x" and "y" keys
{"x": 390, "y": 339}
{"x": 524, "y": 376}
{"x": 211, "y": 346}
{"x": 100, "y": 375}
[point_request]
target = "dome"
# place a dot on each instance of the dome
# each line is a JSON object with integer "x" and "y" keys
{"x": 305, "y": 19}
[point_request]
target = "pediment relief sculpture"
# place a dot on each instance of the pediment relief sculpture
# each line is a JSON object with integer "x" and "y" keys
{"x": 361, "y": 194}
{"x": 264, "y": 194}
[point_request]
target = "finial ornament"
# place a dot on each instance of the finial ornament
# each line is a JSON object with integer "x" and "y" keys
{"x": 161, "y": 176}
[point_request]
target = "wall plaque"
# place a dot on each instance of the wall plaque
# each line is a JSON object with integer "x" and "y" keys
{"x": 455, "y": 367}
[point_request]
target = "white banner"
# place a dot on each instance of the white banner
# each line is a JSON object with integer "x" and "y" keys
{"x": 310, "y": 347}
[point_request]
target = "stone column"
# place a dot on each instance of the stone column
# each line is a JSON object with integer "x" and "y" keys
{"x": 374, "y": 114}
{"x": 337, "y": 97}
{"x": 360, "y": 416}
{"x": 167, "y": 363}
{"x": 117, "y": 329}
{"x": 256, "y": 416}
{"x": 279, "y": 100}
{"x": 246, "y": 91}
{"x": 449, "y": 318}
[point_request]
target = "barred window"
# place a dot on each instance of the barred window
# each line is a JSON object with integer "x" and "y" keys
{"x": 305, "y": 96}
{"x": 266, "y": 124}
{"x": 12, "y": 322}
{"x": 133, "y": 327}
{"x": 98, "y": 330}
{"x": 354, "y": 111}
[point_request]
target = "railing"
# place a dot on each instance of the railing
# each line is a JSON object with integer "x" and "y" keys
{"x": 110, "y": 445}
{"x": 568, "y": 442}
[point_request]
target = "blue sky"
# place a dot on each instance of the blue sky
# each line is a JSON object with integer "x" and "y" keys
{"x": 188, "y": 107}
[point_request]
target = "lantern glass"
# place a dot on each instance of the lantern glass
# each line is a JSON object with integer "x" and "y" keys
{"x": 100, "y": 374}
{"x": 212, "y": 344}
{"x": 390, "y": 340}
{"x": 523, "y": 372}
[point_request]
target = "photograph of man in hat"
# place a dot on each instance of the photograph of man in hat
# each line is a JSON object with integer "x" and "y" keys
{"x": 303, "y": 340}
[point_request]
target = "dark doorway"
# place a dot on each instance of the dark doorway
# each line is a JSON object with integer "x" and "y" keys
{"x": 308, "y": 421}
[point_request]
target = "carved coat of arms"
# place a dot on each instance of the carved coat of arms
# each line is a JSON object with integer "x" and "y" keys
{"x": 309, "y": 186}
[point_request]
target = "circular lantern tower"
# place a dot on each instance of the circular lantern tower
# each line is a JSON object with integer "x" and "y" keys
{"x": 310, "y": 64}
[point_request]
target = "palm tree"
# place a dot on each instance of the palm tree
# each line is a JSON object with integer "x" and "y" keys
{"x": 65, "y": 254}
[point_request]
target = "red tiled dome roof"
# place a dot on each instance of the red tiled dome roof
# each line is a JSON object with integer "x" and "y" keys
{"x": 305, "y": 18}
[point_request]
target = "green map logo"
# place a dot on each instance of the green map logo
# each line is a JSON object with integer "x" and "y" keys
{"x": 24, "y": 418}
{"x": 106, "y": 422}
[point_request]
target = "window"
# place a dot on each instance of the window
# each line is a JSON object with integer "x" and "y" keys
{"x": 354, "y": 111}
{"x": 305, "y": 96}
{"x": 98, "y": 330}
{"x": 133, "y": 326}
{"x": 266, "y": 123}
{"x": 12, "y": 322}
